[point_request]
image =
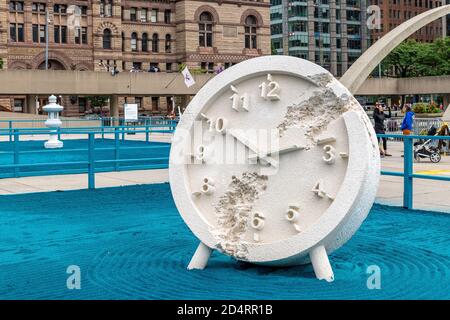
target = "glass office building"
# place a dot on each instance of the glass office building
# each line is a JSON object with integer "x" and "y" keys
{"x": 332, "y": 33}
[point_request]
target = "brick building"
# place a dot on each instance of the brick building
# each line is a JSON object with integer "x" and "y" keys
{"x": 125, "y": 35}
{"x": 394, "y": 12}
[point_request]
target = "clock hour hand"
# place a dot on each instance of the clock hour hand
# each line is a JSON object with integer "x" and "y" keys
{"x": 266, "y": 159}
{"x": 287, "y": 149}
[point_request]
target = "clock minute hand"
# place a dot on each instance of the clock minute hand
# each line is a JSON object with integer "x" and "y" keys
{"x": 246, "y": 142}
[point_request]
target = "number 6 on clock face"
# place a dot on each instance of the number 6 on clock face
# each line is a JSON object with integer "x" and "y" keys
{"x": 325, "y": 166}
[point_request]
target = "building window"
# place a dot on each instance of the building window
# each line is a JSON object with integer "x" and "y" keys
{"x": 84, "y": 38}
{"x": 59, "y": 9}
{"x": 144, "y": 44}
{"x": 155, "y": 43}
{"x": 35, "y": 32}
{"x": 38, "y": 7}
{"x": 106, "y": 8}
{"x": 63, "y": 34}
{"x": 169, "y": 103}
{"x": 106, "y": 39}
{"x": 207, "y": 66}
{"x": 138, "y": 101}
{"x": 123, "y": 41}
{"x": 12, "y": 32}
{"x": 154, "y": 16}
{"x": 82, "y": 103}
{"x": 18, "y": 105}
{"x": 167, "y": 16}
{"x": 143, "y": 15}
{"x": 133, "y": 14}
{"x": 16, "y": 32}
{"x": 155, "y": 103}
{"x": 16, "y": 6}
{"x": 134, "y": 41}
{"x": 56, "y": 33}
{"x": 154, "y": 67}
{"x": 77, "y": 36}
{"x": 168, "y": 43}
{"x": 60, "y": 34}
{"x": 169, "y": 67}
{"x": 205, "y": 30}
{"x": 250, "y": 32}
{"x": 40, "y": 33}
{"x": 137, "y": 65}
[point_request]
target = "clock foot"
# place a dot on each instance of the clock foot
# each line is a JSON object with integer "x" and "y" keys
{"x": 200, "y": 257}
{"x": 321, "y": 264}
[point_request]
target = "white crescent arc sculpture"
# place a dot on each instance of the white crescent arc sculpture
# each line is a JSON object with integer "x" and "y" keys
{"x": 355, "y": 76}
{"x": 274, "y": 161}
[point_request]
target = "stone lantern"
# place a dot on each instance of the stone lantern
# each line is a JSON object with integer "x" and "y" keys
{"x": 53, "y": 122}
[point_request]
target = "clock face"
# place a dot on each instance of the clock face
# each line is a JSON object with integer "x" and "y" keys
{"x": 268, "y": 157}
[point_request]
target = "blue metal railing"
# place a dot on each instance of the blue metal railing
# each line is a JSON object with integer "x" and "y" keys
{"x": 91, "y": 164}
{"x": 408, "y": 161}
{"x": 104, "y": 122}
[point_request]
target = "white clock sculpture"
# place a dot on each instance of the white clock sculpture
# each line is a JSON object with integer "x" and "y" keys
{"x": 274, "y": 162}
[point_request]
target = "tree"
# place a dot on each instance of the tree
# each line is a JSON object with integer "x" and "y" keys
{"x": 403, "y": 60}
{"x": 97, "y": 101}
{"x": 416, "y": 59}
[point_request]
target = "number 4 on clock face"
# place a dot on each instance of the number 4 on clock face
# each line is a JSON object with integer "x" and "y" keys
{"x": 319, "y": 190}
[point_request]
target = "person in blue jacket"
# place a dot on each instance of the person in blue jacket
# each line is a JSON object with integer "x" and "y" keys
{"x": 408, "y": 120}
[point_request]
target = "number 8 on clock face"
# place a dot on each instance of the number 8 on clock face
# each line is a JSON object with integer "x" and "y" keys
{"x": 298, "y": 199}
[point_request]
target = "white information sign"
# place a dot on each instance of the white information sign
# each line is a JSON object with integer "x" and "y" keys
{"x": 130, "y": 111}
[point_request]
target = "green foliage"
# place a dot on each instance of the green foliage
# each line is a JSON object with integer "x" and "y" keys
{"x": 181, "y": 66}
{"x": 97, "y": 101}
{"x": 416, "y": 59}
{"x": 422, "y": 107}
{"x": 1, "y": 63}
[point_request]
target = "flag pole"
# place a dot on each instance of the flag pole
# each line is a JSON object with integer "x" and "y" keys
{"x": 170, "y": 82}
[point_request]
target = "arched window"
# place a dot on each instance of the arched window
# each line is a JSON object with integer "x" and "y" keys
{"x": 106, "y": 39}
{"x": 205, "y": 34}
{"x": 144, "y": 44}
{"x": 155, "y": 43}
{"x": 134, "y": 41}
{"x": 168, "y": 43}
{"x": 250, "y": 32}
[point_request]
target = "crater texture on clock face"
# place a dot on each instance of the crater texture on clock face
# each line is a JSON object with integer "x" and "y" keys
{"x": 268, "y": 155}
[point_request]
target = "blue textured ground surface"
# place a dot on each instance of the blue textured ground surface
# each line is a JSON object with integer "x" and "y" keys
{"x": 131, "y": 243}
{"x": 76, "y": 150}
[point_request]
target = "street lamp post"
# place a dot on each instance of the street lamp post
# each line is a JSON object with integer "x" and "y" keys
{"x": 47, "y": 20}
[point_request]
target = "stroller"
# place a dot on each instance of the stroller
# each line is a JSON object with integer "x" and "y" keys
{"x": 424, "y": 148}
